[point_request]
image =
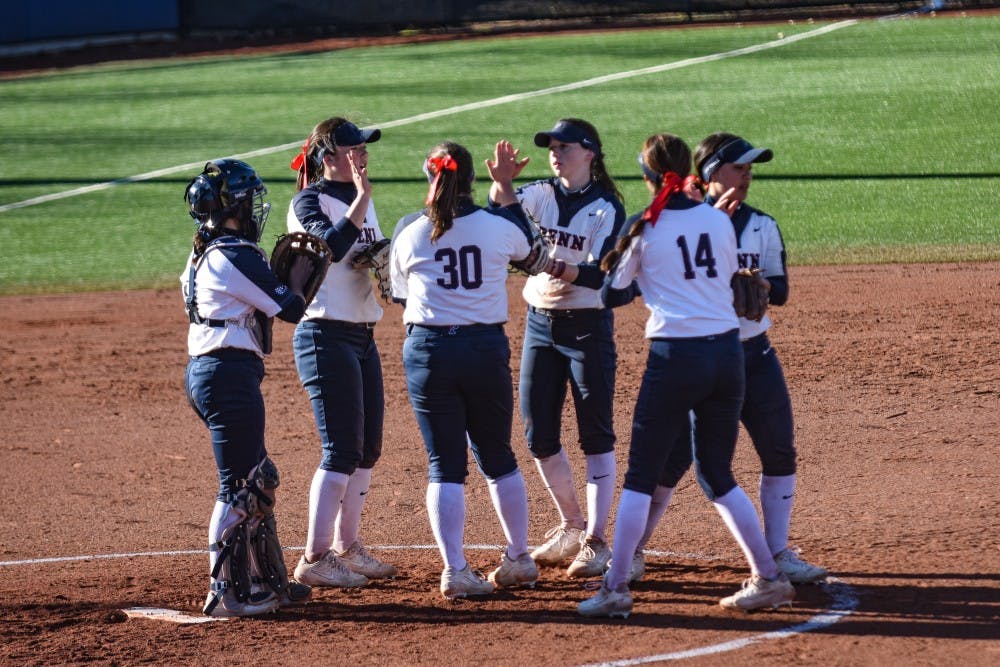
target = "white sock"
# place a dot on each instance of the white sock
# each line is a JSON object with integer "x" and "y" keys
{"x": 558, "y": 479}
{"x": 776, "y": 506}
{"x": 657, "y": 507}
{"x": 325, "y": 495}
{"x": 741, "y": 518}
{"x": 510, "y": 500}
{"x": 633, "y": 508}
{"x": 601, "y": 481}
{"x": 348, "y": 524}
{"x": 446, "y": 509}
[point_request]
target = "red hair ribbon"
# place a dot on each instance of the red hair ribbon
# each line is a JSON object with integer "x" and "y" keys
{"x": 300, "y": 159}
{"x": 672, "y": 183}
{"x": 436, "y": 165}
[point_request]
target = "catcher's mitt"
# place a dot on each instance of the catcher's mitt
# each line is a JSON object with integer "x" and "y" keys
{"x": 376, "y": 258}
{"x": 293, "y": 244}
{"x": 750, "y": 294}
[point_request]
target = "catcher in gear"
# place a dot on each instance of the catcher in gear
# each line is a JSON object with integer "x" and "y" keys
{"x": 231, "y": 294}
{"x": 336, "y": 356}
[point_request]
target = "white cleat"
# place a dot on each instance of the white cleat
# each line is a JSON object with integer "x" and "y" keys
{"x": 758, "y": 593}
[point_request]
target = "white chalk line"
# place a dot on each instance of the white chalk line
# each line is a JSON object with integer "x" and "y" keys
{"x": 845, "y": 600}
{"x": 461, "y": 108}
{"x": 387, "y": 547}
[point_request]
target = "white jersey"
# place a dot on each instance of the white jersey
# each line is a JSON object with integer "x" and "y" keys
{"x": 346, "y": 293}
{"x": 579, "y": 225}
{"x": 461, "y": 278}
{"x": 683, "y": 264}
{"x": 232, "y": 280}
{"x": 760, "y": 246}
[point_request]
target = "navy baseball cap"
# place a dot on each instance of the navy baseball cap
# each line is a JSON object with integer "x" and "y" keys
{"x": 734, "y": 151}
{"x": 348, "y": 134}
{"x": 568, "y": 132}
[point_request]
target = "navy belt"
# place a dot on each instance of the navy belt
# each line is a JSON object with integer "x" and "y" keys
{"x": 230, "y": 353}
{"x": 569, "y": 312}
{"x": 456, "y": 329}
{"x": 344, "y": 324}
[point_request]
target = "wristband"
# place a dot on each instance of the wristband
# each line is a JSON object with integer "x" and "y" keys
{"x": 558, "y": 268}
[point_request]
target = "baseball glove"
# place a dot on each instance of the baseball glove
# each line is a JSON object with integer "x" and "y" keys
{"x": 293, "y": 244}
{"x": 750, "y": 294}
{"x": 376, "y": 258}
{"x": 539, "y": 259}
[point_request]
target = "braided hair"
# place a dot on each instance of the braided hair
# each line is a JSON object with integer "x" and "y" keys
{"x": 449, "y": 168}
{"x": 666, "y": 157}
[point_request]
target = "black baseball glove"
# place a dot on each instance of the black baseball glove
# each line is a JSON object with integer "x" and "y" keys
{"x": 750, "y": 294}
{"x": 295, "y": 244}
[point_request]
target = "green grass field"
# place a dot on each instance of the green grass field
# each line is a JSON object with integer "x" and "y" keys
{"x": 886, "y": 135}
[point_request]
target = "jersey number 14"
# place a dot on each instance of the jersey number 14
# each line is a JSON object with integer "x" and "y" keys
{"x": 702, "y": 256}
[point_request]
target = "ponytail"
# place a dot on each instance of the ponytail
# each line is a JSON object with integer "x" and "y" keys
{"x": 449, "y": 169}
{"x": 664, "y": 154}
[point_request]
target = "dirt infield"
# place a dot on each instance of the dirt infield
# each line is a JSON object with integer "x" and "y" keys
{"x": 895, "y": 377}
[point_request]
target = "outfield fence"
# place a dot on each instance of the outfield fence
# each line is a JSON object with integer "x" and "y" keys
{"x": 53, "y": 25}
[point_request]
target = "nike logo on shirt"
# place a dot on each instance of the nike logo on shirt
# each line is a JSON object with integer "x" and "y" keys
{"x": 597, "y": 477}
{"x": 583, "y": 336}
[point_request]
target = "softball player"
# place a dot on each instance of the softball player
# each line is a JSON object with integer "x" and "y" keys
{"x": 230, "y": 295}
{"x": 569, "y": 338}
{"x": 724, "y": 162}
{"x": 449, "y": 267}
{"x": 683, "y": 255}
{"x": 335, "y": 353}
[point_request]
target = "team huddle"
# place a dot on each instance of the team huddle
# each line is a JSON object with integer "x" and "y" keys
{"x": 708, "y": 368}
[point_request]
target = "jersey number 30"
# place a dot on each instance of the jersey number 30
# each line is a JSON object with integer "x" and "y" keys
{"x": 464, "y": 267}
{"x": 702, "y": 256}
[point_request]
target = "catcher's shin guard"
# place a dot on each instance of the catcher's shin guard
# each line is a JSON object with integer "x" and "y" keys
{"x": 231, "y": 572}
{"x": 267, "y": 561}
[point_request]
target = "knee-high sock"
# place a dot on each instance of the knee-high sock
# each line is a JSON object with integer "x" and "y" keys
{"x": 657, "y": 506}
{"x": 348, "y": 523}
{"x": 776, "y": 506}
{"x": 558, "y": 478}
{"x": 223, "y": 519}
{"x": 741, "y": 518}
{"x": 446, "y": 509}
{"x": 510, "y": 500}
{"x": 633, "y": 508}
{"x": 601, "y": 481}
{"x": 325, "y": 496}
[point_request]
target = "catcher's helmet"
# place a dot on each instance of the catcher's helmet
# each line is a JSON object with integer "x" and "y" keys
{"x": 229, "y": 189}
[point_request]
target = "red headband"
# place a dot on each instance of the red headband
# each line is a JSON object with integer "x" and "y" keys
{"x": 300, "y": 159}
{"x": 436, "y": 165}
{"x": 672, "y": 183}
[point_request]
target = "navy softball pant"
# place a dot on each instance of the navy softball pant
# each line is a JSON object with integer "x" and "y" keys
{"x": 340, "y": 367}
{"x": 766, "y": 415}
{"x": 574, "y": 346}
{"x": 703, "y": 375}
{"x": 459, "y": 381}
{"x": 223, "y": 388}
